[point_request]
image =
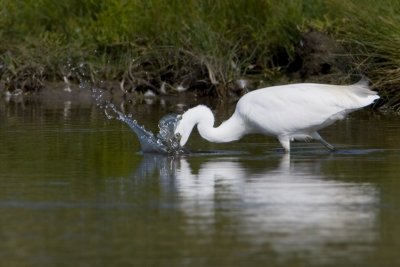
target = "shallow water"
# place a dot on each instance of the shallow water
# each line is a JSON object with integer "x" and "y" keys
{"x": 74, "y": 190}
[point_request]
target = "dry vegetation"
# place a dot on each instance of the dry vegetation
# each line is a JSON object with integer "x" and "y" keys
{"x": 207, "y": 46}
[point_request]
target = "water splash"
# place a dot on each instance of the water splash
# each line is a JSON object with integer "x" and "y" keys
{"x": 165, "y": 142}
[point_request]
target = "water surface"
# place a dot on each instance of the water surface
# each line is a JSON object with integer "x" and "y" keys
{"x": 75, "y": 190}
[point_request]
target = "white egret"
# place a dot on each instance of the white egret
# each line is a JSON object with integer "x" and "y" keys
{"x": 288, "y": 112}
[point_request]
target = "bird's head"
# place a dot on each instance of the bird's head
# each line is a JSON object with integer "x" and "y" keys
{"x": 189, "y": 119}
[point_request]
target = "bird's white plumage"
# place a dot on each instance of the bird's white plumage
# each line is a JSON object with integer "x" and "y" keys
{"x": 294, "y": 111}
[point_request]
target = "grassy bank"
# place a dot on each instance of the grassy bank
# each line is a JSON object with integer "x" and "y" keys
{"x": 204, "y": 45}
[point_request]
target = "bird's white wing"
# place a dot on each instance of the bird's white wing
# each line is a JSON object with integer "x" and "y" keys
{"x": 293, "y": 108}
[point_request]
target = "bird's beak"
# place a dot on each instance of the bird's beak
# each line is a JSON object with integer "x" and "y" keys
{"x": 178, "y": 133}
{"x": 178, "y": 136}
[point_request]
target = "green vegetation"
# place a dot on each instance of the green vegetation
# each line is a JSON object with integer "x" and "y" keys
{"x": 195, "y": 44}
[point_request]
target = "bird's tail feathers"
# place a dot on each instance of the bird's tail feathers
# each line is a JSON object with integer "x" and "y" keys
{"x": 362, "y": 88}
{"x": 364, "y": 81}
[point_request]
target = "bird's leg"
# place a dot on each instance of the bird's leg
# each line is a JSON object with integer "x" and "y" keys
{"x": 327, "y": 145}
{"x": 317, "y": 137}
{"x": 285, "y": 142}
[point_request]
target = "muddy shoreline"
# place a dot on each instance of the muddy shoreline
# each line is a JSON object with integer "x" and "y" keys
{"x": 315, "y": 60}
{"x": 318, "y": 58}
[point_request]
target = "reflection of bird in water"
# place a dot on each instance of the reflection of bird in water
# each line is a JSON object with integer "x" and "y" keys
{"x": 293, "y": 207}
{"x": 289, "y": 205}
{"x": 289, "y": 112}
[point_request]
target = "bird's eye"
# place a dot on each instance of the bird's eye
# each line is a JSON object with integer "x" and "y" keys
{"x": 178, "y": 136}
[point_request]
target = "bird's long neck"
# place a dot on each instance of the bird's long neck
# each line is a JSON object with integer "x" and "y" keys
{"x": 228, "y": 131}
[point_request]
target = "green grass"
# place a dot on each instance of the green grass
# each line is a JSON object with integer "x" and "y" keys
{"x": 372, "y": 34}
{"x": 198, "y": 44}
